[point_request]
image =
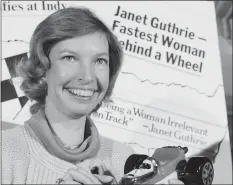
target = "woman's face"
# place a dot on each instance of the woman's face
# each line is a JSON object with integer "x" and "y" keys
{"x": 79, "y": 75}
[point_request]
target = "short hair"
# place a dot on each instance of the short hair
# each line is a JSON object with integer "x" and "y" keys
{"x": 63, "y": 24}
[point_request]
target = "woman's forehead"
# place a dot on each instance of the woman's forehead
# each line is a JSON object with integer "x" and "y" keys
{"x": 93, "y": 43}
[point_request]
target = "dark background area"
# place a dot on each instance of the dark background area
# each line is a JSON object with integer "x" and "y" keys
{"x": 224, "y": 24}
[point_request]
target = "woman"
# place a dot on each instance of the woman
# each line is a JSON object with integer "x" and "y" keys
{"x": 73, "y": 64}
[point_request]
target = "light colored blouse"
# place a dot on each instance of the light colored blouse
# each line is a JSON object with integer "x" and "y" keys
{"x": 26, "y": 161}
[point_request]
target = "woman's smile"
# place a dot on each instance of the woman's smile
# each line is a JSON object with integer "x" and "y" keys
{"x": 81, "y": 92}
{"x": 85, "y": 94}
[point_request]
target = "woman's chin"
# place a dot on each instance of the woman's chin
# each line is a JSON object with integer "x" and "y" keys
{"x": 79, "y": 105}
{"x": 77, "y": 108}
{"x": 77, "y": 111}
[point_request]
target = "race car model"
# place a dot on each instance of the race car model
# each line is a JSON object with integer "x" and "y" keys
{"x": 142, "y": 169}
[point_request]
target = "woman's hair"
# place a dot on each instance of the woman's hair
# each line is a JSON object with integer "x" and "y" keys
{"x": 63, "y": 24}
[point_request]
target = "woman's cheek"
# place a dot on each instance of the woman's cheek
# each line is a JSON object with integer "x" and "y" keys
{"x": 64, "y": 73}
{"x": 104, "y": 79}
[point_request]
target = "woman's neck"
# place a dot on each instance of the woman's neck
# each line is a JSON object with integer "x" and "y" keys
{"x": 70, "y": 131}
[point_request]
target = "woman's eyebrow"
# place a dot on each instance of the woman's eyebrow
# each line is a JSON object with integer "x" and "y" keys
{"x": 67, "y": 51}
{"x": 102, "y": 54}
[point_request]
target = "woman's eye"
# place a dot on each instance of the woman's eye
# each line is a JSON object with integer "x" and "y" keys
{"x": 101, "y": 61}
{"x": 68, "y": 58}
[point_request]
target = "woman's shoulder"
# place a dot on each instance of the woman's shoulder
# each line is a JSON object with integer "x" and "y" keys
{"x": 13, "y": 132}
{"x": 115, "y": 150}
{"x": 14, "y": 138}
{"x": 108, "y": 144}
{"x": 15, "y": 155}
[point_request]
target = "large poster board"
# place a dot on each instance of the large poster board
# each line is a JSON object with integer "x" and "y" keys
{"x": 170, "y": 88}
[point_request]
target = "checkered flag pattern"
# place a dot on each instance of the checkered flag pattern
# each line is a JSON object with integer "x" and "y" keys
{"x": 13, "y": 98}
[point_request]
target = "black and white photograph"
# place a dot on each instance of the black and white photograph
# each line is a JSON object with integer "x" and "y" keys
{"x": 116, "y": 92}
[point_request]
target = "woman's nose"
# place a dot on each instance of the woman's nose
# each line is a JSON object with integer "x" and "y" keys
{"x": 86, "y": 72}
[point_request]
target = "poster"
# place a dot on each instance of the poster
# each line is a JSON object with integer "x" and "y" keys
{"x": 170, "y": 88}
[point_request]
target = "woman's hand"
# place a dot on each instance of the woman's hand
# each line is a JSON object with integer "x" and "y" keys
{"x": 82, "y": 176}
{"x": 103, "y": 174}
{"x": 79, "y": 176}
{"x": 105, "y": 179}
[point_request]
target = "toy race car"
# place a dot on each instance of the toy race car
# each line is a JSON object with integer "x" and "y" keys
{"x": 141, "y": 169}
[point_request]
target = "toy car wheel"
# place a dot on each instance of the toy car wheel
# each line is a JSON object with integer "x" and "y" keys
{"x": 207, "y": 172}
{"x": 200, "y": 170}
{"x": 134, "y": 161}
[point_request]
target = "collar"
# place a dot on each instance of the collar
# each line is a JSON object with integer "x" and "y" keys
{"x": 39, "y": 126}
